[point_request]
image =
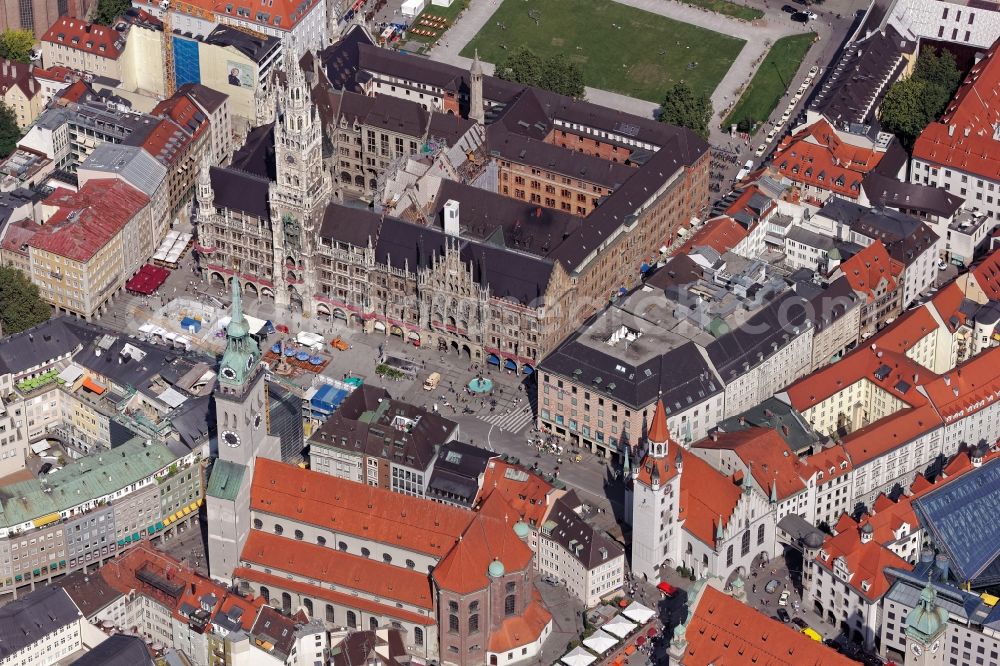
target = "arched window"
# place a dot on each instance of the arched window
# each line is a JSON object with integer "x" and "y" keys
{"x": 330, "y": 616}
{"x": 418, "y": 636}
{"x": 511, "y": 585}
{"x": 373, "y": 623}
{"x": 342, "y": 546}
{"x": 509, "y": 604}
{"x": 410, "y": 564}
{"x": 473, "y": 606}
{"x": 278, "y": 529}
{"x": 286, "y": 602}
{"x": 760, "y": 534}
{"x": 352, "y": 620}
{"x": 729, "y": 556}
{"x": 387, "y": 558}
{"x": 453, "y": 623}
{"x": 365, "y": 552}
{"x": 258, "y": 523}
{"x": 308, "y": 606}
{"x": 745, "y": 546}
{"x": 320, "y": 541}
{"x": 265, "y": 594}
{"x": 474, "y": 623}
{"x": 298, "y": 535}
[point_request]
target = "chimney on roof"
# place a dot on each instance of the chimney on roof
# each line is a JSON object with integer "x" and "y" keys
{"x": 451, "y": 218}
{"x": 951, "y": 130}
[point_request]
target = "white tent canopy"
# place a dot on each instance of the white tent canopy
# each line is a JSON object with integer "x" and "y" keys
{"x": 638, "y": 612}
{"x": 578, "y": 657}
{"x": 600, "y": 641}
{"x": 618, "y": 626}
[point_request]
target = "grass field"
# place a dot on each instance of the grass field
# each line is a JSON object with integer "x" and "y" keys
{"x": 448, "y": 13}
{"x": 618, "y": 48}
{"x": 727, "y": 8}
{"x": 771, "y": 80}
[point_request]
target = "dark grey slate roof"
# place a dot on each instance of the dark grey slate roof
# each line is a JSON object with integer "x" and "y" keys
{"x": 122, "y": 368}
{"x": 680, "y": 269}
{"x": 256, "y": 47}
{"x": 194, "y": 420}
{"x": 90, "y": 592}
{"x": 778, "y": 415}
{"x": 33, "y": 616}
{"x": 589, "y": 546}
{"x": 747, "y": 346}
{"x": 209, "y": 98}
{"x": 38, "y": 345}
{"x": 885, "y": 191}
{"x": 457, "y": 473}
{"x": 117, "y": 650}
{"x": 398, "y": 115}
{"x": 240, "y": 190}
{"x": 960, "y": 518}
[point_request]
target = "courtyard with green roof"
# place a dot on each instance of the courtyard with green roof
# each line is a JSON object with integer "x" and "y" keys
{"x": 618, "y": 48}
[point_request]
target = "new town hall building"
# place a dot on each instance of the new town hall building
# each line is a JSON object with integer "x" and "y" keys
{"x": 503, "y": 215}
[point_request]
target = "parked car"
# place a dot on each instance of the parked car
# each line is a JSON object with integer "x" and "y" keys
{"x": 783, "y": 599}
{"x": 814, "y": 71}
{"x": 800, "y": 17}
{"x": 773, "y": 133}
{"x": 800, "y": 623}
{"x": 784, "y": 616}
{"x": 760, "y": 149}
{"x": 812, "y": 16}
{"x": 788, "y": 9}
{"x": 942, "y": 265}
{"x": 772, "y": 586}
{"x": 813, "y": 634}
{"x": 338, "y": 343}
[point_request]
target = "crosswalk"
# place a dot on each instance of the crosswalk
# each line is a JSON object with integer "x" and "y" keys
{"x": 514, "y": 422}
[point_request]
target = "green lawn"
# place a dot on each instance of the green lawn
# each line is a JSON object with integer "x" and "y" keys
{"x": 728, "y": 9}
{"x": 619, "y": 48}
{"x": 771, "y": 80}
{"x": 448, "y": 13}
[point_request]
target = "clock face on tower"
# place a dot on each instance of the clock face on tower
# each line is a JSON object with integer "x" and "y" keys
{"x": 936, "y": 647}
{"x": 229, "y": 373}
{"x": 249, "y": 362}
{"x": 290, "y": 159}
{"x": 916, "y": 649}
{"x": 256, "y": 421}
{"x": 231, "y": 439}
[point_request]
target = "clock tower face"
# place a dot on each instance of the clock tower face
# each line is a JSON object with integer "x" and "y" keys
{"x": 256, "y": 421}
{"x": 916, "y": 649}
{"x": 230, "y": 439}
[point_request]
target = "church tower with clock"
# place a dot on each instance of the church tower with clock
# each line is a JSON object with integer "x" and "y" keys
{"x": 925, "y": 630}
{"x": 241, "y": 413}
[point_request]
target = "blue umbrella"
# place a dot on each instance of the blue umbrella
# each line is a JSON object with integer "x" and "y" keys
{"x": 289, "y": 352}
{"x": 276, "y": 348}
{"x": 316, "y": 360}
{"x": 302, "y": 356}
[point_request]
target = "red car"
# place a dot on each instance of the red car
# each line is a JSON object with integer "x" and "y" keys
{"x": 667, "y": 589}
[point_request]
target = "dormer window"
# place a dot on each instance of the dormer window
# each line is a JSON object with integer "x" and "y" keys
{"x": 824, "y": 555}
{"x": 865, "y": 586}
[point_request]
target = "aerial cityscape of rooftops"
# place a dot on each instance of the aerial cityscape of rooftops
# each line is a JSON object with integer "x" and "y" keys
{"x": 499, "y": 332}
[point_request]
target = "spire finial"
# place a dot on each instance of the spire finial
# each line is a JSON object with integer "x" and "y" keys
{"x": 237, "y": 309}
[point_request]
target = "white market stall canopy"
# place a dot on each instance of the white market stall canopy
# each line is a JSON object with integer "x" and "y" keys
{"x": 638, "y": 613}
{"x": 600, "y": 641}
{"x": 618, "y": 626}
{"x": 578, "y": 657}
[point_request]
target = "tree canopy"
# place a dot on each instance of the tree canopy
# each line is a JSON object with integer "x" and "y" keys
{"x": 108, "y": 10}
{"x": 9, "y": 131}
{"x": 16, "y": 45}
{"x": 20, "y": 305}
{"x": 913, "y": 103}
{"x": 681, "y": 106}
{"x": 555, "y": 73}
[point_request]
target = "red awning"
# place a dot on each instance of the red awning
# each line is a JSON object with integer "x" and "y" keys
{"x": 666, "y": 588}
{"x": 651, "y": 633}
{"x": 93, "y": 386}
{"x": 147, "y": 280}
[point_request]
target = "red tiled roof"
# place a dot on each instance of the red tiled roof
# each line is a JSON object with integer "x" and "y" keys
{"x": 770, "y": 461}
{"x": 341, "y": 598}
{"x": 121, "y": 574}
{"x": 866, "y": 270}
{"x": 18, "y": 74}
{"x": 866, "y": 561}
{"x": 721, "y": 234}
{"x": 365, "y": 511}
{"x": 100, "y": 40}
{"x": 907, "y": 331}
{"x": 56, "y": 73}
{"x": 742, "y": 204}
{"x": 658, "y": 430}
{"x": 281, "y": 14}
{"x": 860, "y": 364}
{"x": 490, "y": 536}
{"x": 521, "y": 629}
{"x": 987, "y": 274}
{"x": 182, "y": 110}
{"x": 969, "y": 388}
{"x": 341, "y": 570}
{"x": 963, "y": 138}
{"x": 526, "y": 493}
{"x": 725, "y": 632}
{"x": 87, "y": 220}
{"x": 888, "y": 516}
{"x": 817, "y": 156}
{"x": 167, "y": 142}
{"x": 830, "y": 458}
{"x": 886, "y": 434}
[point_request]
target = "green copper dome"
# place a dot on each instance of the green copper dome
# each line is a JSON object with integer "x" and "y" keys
{"x": 521, "y": 529}
{"x": 927, "y": 619}
{"x": 496, "y": 569}
{"x": 242, "y": 353}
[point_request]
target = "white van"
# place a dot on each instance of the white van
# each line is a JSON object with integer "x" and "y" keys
{"x": 745, "y": 171}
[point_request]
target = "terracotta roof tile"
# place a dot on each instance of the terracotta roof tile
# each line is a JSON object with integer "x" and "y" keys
{"x": 817, "y": 156}
{"x": 867, "y": 270}
{"x": 721, "y": 234}
{"x": 987, "y": 274}
{"x": 341, "y": 570}
{"x": 866, "y": 561}
{"x": 100, "y": 40}
{"x": 526, "y": 493}
{"x": 969, "y": 388}
{"x": 658, "y": 430}
{"x": 766, "y": 454}
{"x": 281, "y": 14}
{"x": 364, "y": 511}
{"x": 886, "y": 434}
{"x": 521, "y": 629}
{"x": 725, "y": 632}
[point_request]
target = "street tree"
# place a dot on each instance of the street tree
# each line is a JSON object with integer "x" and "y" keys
{"x": 682, "y": 106}
{"x": 20, "y": 305}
